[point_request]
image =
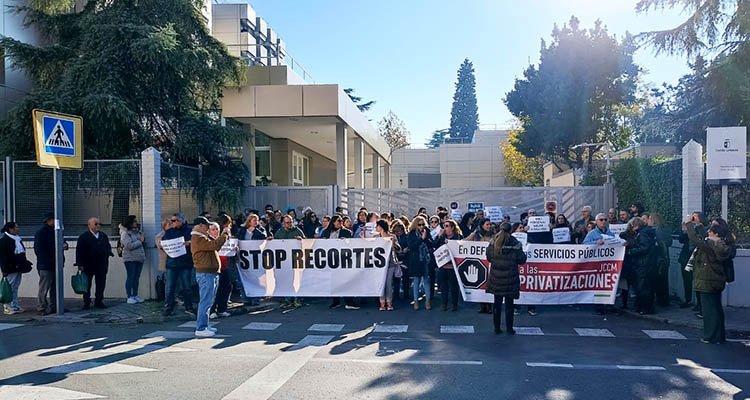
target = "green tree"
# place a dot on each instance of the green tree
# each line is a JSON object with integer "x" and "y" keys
{"x": 579, "y": 93}
{"x": 366, "y": 106}
{"x": 464, "y": 112}
{"x": 394, "y": 131}
{"x": 140, "y": 74}
{"x": 519, "y": 169}
{"x": 437, "y": 138}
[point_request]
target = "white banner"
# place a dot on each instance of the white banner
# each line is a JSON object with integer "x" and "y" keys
{"x": 538, "y": 224}
{"x": 314, "y": 267}
{"x": 553, "y": 274}
{"x": 229, "y": 249}
{"x": 561, "y": 235}
{"x": 174, "y": 247}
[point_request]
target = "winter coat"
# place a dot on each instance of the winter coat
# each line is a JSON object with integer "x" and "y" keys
{"x": 596, "y": 234}
{"x": 257, "y": 234}
{"x": 10, "y": 262}
{"x": 643, "y": 250}
{"x": 205, "y": 252}
{"x": 92, "y": 254}
{"x": 184, "y": 261}
{"x": 289, "y": 234}
{"x": 478, "y": 237}
{"x": 419, "y": 253}
{"x": 708, "y": 263}
{"x": 687, "y": 246}
{"x": 343, "y": 234}
{"x": 132, "y": 247}
{"x": 44, "y": 248}
{"x": 308, "y": 228}
{"x": 504, "y": 275}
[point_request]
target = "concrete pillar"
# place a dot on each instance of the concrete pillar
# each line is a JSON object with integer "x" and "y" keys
{"x": 359, "y": 163}
{"x": 248, "y": 153}
{"x": 376, "y": 165}
{"x": 342, "y": 156}
{"x": 151, "y": 215}
{"x": 692, "y": 177}
{"x": 386, "y": 175}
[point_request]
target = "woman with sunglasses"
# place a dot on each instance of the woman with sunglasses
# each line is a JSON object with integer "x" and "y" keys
{"x": 420, "y": 245}
{"x": 446, "y": 276}
{"x": 483, "y": 233}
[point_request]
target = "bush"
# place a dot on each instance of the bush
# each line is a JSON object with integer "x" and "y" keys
{"x": 655, "y": 183}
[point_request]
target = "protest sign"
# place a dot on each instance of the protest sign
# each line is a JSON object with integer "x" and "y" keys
{"x": 229, "y": 249}
{"x": 314, "y": 267}
{"x": 495, "y": 213}
{"x": 617, "y": 229}
{"x": 456, "y": 214}
{"x": 521, "y": 237}
{"x": 434, "y": 233}
{"x": 538, "y": 224}
{"x": 370, "y": 230}
{"x": 174, "y": 247}
{"x": 561, "y": 235}
{"x": 443, "y": 256}
{"x": 552, "y": 274}
{"x": 475, "y": 206}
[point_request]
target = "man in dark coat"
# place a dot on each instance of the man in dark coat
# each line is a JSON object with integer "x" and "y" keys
{"x": 44, "y": 247}
{"x": 92, "y": 257}
{"x": 179, "y": 269}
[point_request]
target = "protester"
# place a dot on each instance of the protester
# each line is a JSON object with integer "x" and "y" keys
{"x": 362, "y": 219}
{"x": 661, "y": 270}
{"x": 505, "y": 254}
{"x": 323, "y": 226}
{"x": 92, "y": 257}
{"x": 612, "y": 216}
{"x": 643, "y": 254}
{"x": 289, "y": 230}
{"x": 419, "y": 242}
{"x": 394, "y": 267}
{"x": 204, "y": 250}
{"x": 624, "y": 216}
{"x": 467, "y": 222}
{"x": 483, "y": 233}
{"x": 310, "y": 224}
{"x": 579, "y": 228}
{"x": 562, "y": 222}
{"x": 446, "y": 276}
{"x": 44, "y": 248}
{"x": 336, "y": 230}
{"x": 13, "y": 263}
{"x": 401, "y": 282}
{"x": 362, "y": 231}
{"x": 224, "y": 289}
{"x": 601, "y": 229}
{"x": 133, "y": 255}
{"x": 699, "y": 225}
{"x": 347, "y": 223}
{"x": 179, "y": 269}
{"x": 709, "y": 278}
{"x": 291, "y": 212}
{"x": 636, "y": 209}
{"x": 271, "y": 222}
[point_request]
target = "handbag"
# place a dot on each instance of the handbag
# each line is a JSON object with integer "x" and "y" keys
{"x": 80, "y": 283}
{"x": 729, "y": 270}
{"x": 23, "y": 265}
{"x": 6, "y": 291}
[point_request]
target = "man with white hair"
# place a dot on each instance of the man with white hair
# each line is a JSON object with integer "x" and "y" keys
{"x": 579, "y": 228}
{"x": 93, "y": 251}
{"x": 596, "y": 236}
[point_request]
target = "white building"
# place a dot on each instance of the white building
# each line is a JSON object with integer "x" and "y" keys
{"x": 14, "y": 83}
{"x": 476, "y": 164}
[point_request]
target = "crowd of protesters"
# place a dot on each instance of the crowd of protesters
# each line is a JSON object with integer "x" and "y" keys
{"x": 413, "y": 274}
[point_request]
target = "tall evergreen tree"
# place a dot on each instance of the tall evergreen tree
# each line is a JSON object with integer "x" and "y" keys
{"x": 438, "y": 137}
{"x": 357, "y": 100}
{"x": 464, "y": 113}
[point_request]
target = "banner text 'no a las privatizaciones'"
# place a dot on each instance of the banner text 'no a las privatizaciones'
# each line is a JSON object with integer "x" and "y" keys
{"x": 314, "y": 267}
{"x": 553, "y": 274}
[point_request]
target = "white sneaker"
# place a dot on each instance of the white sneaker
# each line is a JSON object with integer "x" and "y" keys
{"x": 213, "y": 316}
{"x": 132, "y": 300}
{"x": 224, "y": 314}
{"x": 205, "y": 333}
{"x": 138, "y": 299}
{"x": 212, "y": 329}
{"x": 10, "y": 311}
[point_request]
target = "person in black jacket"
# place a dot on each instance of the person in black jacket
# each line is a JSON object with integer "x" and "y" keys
{"x": 13, "y": 263}
{"x": 643, "y": 252}
{"x": 44, "y": 248}
{"x": 179, "y": 269}
{"x": 446, "y": 276}
{"x": 505, "y": 254}
{"x": 93, "y": 251}
{"x": 420, "y": 250}
{"x": 336, "y": 230}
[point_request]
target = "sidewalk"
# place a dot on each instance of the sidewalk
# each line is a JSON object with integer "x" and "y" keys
{"x": 118, "y": 312}
{"x": 737, "y": 319}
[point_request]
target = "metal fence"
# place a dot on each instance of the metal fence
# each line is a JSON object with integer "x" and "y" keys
{"x": 514, "y": 201}
{"x": 107, "y": 189}
{"x": 179, "y": 190}
{"x": 319, "y": 198}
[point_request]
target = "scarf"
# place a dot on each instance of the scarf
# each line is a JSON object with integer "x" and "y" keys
{"x": 19, "y": 246}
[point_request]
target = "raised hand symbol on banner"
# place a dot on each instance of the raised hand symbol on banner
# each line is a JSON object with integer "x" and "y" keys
{"x": 472, "y": 274}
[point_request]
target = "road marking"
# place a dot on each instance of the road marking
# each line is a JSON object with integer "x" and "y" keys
{"x": 390, "y": 328}
{"x": 641, "y": 367}
{"x": 9, "y": 326}
{"x": 742, "y": 341}
{"x": 326, "y": 328}
{"x": 394, "y": 362}
{"x": 589, "y": 332}
{"x": 24, "y": 392}
{"x": 176, "y": 335}
{"x": 262, "y": 326}
{"x": 731, "y": 371}
{"x": 549, "y": 365}
{"x": 144, "y": 349}
{"x": 193, "y": 324}
{"x": 95, "y": 368}
{"x": 273, "y": 376}
{"x": 664, "y": 334}
{"x": 456, "y": 328}
{"x": 529, "y": 330}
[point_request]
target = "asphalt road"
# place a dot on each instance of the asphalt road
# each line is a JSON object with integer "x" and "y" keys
{"x": 317, "y": 353}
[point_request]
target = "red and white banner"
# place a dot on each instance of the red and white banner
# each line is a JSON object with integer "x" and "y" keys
{"x": 553, "y": 274}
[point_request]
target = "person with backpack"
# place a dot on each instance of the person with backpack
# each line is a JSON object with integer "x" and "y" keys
{"x": 130, "y": 248}
{"x": 13, "y": 264}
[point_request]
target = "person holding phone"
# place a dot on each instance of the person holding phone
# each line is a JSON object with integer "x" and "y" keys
{"x": 419, "y": 242}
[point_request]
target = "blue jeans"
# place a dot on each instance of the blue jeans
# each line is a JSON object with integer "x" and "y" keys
{"x": 181, "y": 276}
{"x": 133, "y": 269}
{"x": 425, "y": 281}
{"x": 207, "y": 283}
{"x": 15, "y": 282}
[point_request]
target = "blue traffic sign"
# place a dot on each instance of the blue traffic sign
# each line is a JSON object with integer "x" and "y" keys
{"x": 59, "y": 137}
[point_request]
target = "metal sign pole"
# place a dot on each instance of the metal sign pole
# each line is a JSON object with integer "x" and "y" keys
{"x": 725, "y": 202}
{"x": 59, "y": 243}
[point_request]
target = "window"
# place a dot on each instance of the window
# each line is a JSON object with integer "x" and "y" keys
{"x": 300, "y": 169}
{"x": 262, "y": 159}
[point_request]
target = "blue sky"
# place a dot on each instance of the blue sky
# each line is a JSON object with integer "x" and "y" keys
{"x": 404, "y": 53}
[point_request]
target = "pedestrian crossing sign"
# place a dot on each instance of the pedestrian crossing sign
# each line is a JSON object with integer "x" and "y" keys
{"x": 59, "y": 141}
